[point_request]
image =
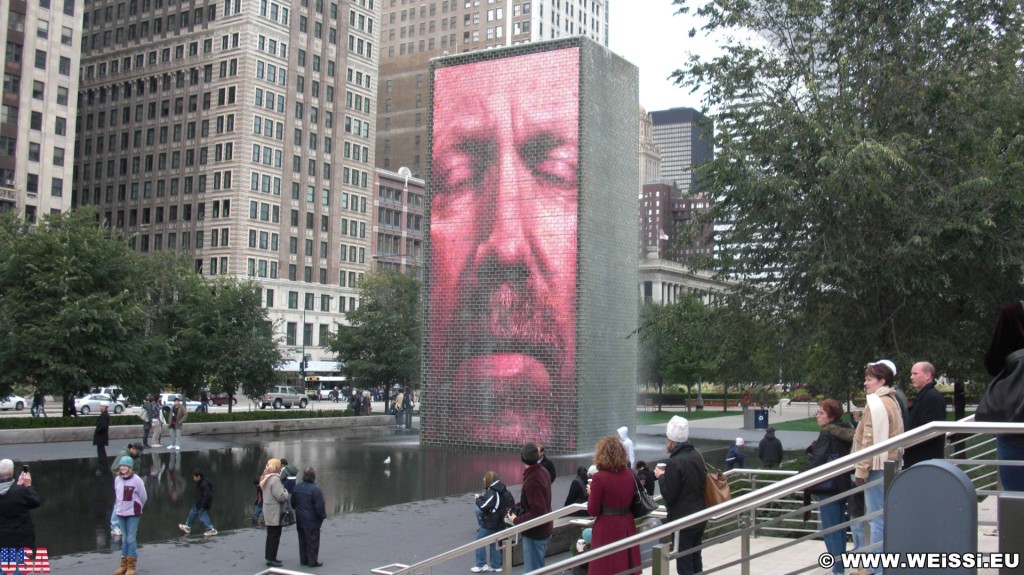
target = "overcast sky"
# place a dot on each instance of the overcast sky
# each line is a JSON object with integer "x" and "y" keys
{"x": 649, "y": 34}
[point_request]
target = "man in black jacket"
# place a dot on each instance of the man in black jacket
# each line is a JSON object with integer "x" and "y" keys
{"x": 204, "y": 500}
{"x": 682, "y": 486}
{"x": 100, "y": 438}
{"x": 769, "y": 450}
{"x": 929, "y": 406}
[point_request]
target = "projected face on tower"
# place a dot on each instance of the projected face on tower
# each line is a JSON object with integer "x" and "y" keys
{"x": 502, "y": 308}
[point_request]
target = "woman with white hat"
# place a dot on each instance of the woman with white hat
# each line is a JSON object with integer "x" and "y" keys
{"x": 682, "y": 487}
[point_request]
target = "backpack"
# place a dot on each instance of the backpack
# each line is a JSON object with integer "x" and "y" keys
{"x": 507, "y": 501}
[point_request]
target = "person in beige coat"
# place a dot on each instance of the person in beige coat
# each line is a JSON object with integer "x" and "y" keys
{"x": 881, "y": 421}
{"x": 274, "y": 494}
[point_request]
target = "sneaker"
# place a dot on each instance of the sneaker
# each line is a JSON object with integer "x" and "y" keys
{"x": 156, "y": 445}
{"x": 210, "y": 532}
{"x": 185, "y": 528}
{"x": 178, "y": 447}
{"x": 484, "y": 569}
{"x": 115, "y": 532}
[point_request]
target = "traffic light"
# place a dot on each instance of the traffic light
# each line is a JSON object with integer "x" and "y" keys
{"x": 302, "y": 368}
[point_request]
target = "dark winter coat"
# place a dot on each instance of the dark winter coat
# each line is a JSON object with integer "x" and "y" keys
{"x": 769, "y": 450}
{"x": 928, "y": 407}
{"x": 16, "y": 528}
{"x": 204, "y": 494}
{"x": 494, "y": 505}
{"x": 836, "y": 437}
{"x": 101, "y": 436}
{"x": 535, "y": 500}
{"x": 550, "y": 467}
{"x": 682, "y": 485}
{"x": 308, "y": 502}
{"x": 647, "y": 479}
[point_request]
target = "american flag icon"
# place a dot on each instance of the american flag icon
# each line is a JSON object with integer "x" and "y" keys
{"x": 18, "y": 560}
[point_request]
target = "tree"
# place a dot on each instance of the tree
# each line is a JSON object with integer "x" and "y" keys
{"x": 71, "y": 312}
{"x": 683, "y": 340}
{"x": 869, "y": 170}
{"x": 381, "y": 344}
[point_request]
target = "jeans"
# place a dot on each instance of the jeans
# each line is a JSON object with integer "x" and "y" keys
{"x": 257, "y": 513}
{"x": 481, "y": 552}
{"x": 1010, "y": 448}
{"x": 129, "y": 528}
{"x": 687, "y": 539}
{"x": 835, "y": 542}
{"x": 399, "y": 417}
{"x": 408, "y": 417}
{"x": 874, "y": 500}
{"x": 175, "y": 435}
{"x": 204, "y": 517}
{"x": 533, "y": 553}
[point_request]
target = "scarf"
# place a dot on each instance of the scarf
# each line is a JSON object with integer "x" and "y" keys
{"x": 880, "y": 428}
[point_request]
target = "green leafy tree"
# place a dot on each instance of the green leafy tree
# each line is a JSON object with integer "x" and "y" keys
{"x": 683, "y": 339}
{"x": 72, "y": 316}
{"x": 381, "y": 344}
{"x": 869, "y": 167}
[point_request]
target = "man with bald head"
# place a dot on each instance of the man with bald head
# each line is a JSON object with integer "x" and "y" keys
{"x": 929, "y": 406}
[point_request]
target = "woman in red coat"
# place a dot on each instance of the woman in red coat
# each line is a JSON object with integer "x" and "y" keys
{"x": 611, "y": 492}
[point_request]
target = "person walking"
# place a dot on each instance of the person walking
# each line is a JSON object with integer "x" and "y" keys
{"x": 611, "y": 493}
{"x": 310, "y": 512}
{"x": 682, "y": 486}
{"x": 398, "y": 409}
{"x": 132, "y": 451}
{"x": 835, "y": 440}
{"x": 17, "y": 499}
{"x": 201, "y": 508}
{"x": 147, "y": 421}
{"x": 274, "y": 494}
{"x": 129, "y": 499}
{"x": 407, "y": 406}
{"x": 490, "y": 509}
{"x": 882, "y": 420}
{"x": 100, "y": 438}
{"x": 178, "y": 416}
{"x": 35, "y": 404}
{"x": 735, "y": 458}
{"x": 535, "y": 501}
{"x": 769, "y": 450}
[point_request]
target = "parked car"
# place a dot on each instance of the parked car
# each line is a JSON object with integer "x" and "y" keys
{"x": 222, "y": 399}
{"x": 91, "y": 403}
{"x": 15, "y": 402}
{"x": 283, "y": 396}
{"x": 114, "y": 392}
{"x": 167, "y": 399}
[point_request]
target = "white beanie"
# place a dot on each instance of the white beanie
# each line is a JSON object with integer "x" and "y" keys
{"x": 678, "y": 429}
{"x": 739, "y": 441}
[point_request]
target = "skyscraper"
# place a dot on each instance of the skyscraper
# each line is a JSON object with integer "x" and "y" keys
{"x": 684, "y": 139}
{"x": 413, "y": 32}
{"x": 242, "y": 134}
{"x": 37, "y": 110}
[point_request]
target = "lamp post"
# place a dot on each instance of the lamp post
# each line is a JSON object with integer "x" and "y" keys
{"x": 304, "y": 360}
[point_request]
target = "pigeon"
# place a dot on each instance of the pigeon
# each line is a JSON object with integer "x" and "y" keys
{"x": 387, "y": 461}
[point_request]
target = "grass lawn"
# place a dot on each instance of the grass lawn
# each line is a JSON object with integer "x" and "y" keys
{"x": 653, "y": 417}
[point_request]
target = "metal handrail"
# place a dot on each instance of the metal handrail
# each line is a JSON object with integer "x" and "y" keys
{"x": 798, "y": 482}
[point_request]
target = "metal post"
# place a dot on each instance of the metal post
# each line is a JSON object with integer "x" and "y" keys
{"x": 744, "y": 522}
{"x": 506, "y": 555}
{"x": 659, "y": 560}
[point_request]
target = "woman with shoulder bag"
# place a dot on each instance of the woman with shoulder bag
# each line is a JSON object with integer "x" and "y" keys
{"x": 834, "y": 441}
{"x": 610, "y": 494}
{"x": 274, "y": 494}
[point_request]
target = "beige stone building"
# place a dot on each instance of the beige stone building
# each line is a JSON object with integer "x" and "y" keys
{"x": 239, "y": 132}
{"x": 38, "y": 106}
{"x": 414, "y": 31}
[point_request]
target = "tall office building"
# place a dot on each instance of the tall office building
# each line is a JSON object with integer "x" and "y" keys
{"x": 400, "y": 222}
{"x": 240, "y": 132}
{"x": 683, "y": 135}
{"x": 414, "y": 31}
{"x": 38, "y": 105}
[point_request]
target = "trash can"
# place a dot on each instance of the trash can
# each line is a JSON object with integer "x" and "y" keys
{"x": 749, "y": 418}
{"x": 760, "y": 419}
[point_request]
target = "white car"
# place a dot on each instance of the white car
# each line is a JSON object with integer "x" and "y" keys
{"x": 167, "y": 400}
{"x": 91, "y": 403}
{"x": 15, "y": 402}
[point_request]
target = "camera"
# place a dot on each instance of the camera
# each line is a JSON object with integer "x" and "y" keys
{"x": 24, "y": 468}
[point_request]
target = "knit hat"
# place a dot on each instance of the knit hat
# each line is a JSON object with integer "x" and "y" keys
{"x": 126, "y": 460}
{"x": 530, "y": 454}
{"x": 739, "y": 441}
{"x": 678, "y": 429}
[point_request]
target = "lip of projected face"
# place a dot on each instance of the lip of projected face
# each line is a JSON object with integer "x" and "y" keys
{"x": 508, "y": 378}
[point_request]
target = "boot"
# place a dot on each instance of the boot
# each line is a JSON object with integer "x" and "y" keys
{"x": 131, "y": 565}
{"x": 124, "y": 566}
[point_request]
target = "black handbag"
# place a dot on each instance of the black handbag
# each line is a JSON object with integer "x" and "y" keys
{"x": 643, "y": 504}
{"x": 1004, "y": 397}
{"x": 830, "y": 485}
